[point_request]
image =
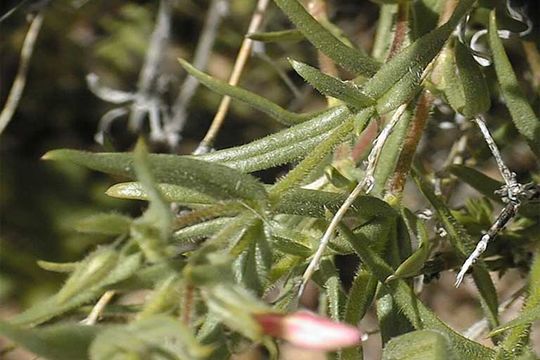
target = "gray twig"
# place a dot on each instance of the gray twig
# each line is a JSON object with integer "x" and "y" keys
{"x": 148, "y": 75}
{"x": 217, "y": 10}
{"x": 513, "y": 194}
{"x": 20, "y": 78}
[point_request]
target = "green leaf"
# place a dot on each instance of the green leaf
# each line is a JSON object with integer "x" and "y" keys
{"x": 475, "y": 89}
{"x": 152, "y": 230}
{"x": 484, "y": 184}
{"x": 290, "y": 241}
{"x": 421, "y": 344}
{"x": 519, "y": 328}
{"x": 58, "y": 267}
{"x": 463, "y": 245}
{"x": 383, "y": 34}
{"x": 235, "y": 307}
{"x": 414, "y": 263}
{"x": 313, "y": 160}
{"x": 359, "y": 300}
{"x": 390, "y": 152}
{"x": 214, "y": 180}
{"x": 418, "y": 314}
{"x": 349, "y": 58}
{"x": 315, "y": 203}
{"x": 328, "y": 85}
{"x": 52, "y": 306}
{"x": 163, "y": 299}
{"x": 200, "y": 231}
{"x": 487, "y": 186}
{"x": 171, "y": 193}
{"x": 450, "y": 81}
{"x": 54, "y": 342}
{"x": 397, "y": 81}
{"x": 92, "y": 270}
{"x": 106, "y": 223}
{"x": 252, "y": 99}
{"x": 159, "y": 337}
{"x": 148, "y": 276}
{"x": 293, "y": 35}
{"x": 424, "y": 16}
{"x": 523, "y": 115}
{"x": 253, "y": 264}
{"x": 282, "y": 147}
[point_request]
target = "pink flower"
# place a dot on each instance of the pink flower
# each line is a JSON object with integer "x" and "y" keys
{"x": 308, "y": 330}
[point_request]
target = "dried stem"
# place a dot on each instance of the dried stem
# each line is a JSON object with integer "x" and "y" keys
{"x": 401, "y": 30}
{"x": 98, "y": 309}
{"x": 20, "y": 78}
{"x": 241, "y": 59}
{"x": 217, "y": 10}
{"x": 410, "y": 144}
{"x": 187, "y": 304}
{"x": 149, "y": 72}
{"x": 365, "y": 185}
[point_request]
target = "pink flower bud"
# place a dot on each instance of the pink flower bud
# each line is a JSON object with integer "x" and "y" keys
{"x": 308, "y": 330}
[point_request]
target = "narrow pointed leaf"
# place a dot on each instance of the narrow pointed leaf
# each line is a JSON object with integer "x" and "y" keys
{"x": 58, "y": 342}
{"x": 328, "y": 85}
{"x": 89, "y": 272}
{"x": 315, "y": 203}
{"x": 397, "y": 81}
{"x": 347, "y": 57}
{"x": 252, "y": 99}
{"x": 519, "y": 328}
{"x": 253, "y": 265}
{"x": 421, "y": 344}
{"x": 152, "y": 337}
{"x": 212, "y": 179}
{"x": 152, "y": 230}
{"x": 359, "y": 300}
{"x": 419, "y": 315}
{"x": 282, "y": 147}
{"x": 57, "y": 267}
{"x": 463, "y": 245}
{"x": 479, "y": 181}
{"x": 106, "y": 223}
{"x": 52, "y": 307}
{"x": 313, "y": 160}
{"x": 200, "y": 231}
{"x": 523, "y": 115}
{"x": 292, "y": 35}
{"x": 171, "y": 193}
{"x": 475, "y": 89}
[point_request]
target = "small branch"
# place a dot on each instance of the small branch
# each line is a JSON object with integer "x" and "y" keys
{"x": 98, "y": 309}
{"x": 508, "y": 176}
{"x": 187, "y": 304}
{"x": 414, "y": 134}
{"x": 513, "y": 194}
{"x": 366, "y": 185}
{"x": 217, "y": 11}
{"x": 256, "y": 20}
{"x": 20, "y": 78}
{"x": 149, "y": 72}
{"x": 401, "y": 30}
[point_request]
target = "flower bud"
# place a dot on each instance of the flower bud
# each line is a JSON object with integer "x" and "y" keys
{"x": 308, "y": 330}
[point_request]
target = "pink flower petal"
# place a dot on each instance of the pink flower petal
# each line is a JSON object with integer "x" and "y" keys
{"x": 308, "y": 330}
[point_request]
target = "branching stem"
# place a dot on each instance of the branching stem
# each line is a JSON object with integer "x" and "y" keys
{"x": 366, "y": 185}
